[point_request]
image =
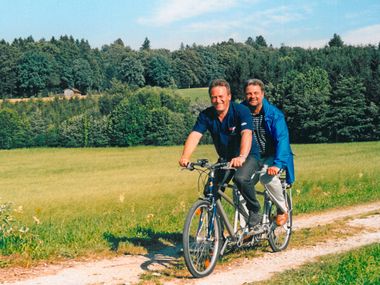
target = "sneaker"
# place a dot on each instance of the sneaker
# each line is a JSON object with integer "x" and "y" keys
{"x": 281, "y": 219}
{"x": 253, "y": 219}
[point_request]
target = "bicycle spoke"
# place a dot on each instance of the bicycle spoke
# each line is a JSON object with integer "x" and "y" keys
{"x": 279, "y": 236}
{"x": 201, "y": 254}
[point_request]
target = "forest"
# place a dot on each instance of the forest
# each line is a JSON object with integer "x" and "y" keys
{"x": 329, "y": 94}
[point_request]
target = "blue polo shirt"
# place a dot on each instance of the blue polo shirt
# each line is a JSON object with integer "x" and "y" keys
{"x": 226, "y": 135}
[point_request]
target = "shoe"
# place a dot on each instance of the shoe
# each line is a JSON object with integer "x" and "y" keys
{"x": 281, "y": 219}
{"x": 253, "y": 219}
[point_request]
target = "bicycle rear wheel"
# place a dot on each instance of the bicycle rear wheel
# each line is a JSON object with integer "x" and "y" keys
{"x": 279, "y": 236}
{"x": 201, "y": 239}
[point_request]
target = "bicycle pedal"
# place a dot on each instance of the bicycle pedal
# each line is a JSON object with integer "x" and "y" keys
{"x": 256, "y": 230}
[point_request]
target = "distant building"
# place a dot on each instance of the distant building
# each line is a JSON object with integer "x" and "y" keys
{"x": 69, "y": 92}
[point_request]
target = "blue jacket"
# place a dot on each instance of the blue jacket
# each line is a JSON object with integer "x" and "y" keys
{"x": 276, "y": 126}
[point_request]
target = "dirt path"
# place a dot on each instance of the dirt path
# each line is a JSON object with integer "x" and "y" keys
{"x": 264, "y": 267}
{"x": 126, "y": 269}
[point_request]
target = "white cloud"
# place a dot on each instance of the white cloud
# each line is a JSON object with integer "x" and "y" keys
{"x": 363, "y": 36}
{"x": 308, "y": 43}
{"x": 174, "y": 10}
{"x": 214, "y": 26}
{"x": 282, "y": 14}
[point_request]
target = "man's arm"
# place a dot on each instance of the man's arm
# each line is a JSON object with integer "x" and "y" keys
{"x": 245, "y": 147}
{"x": 190, "y": 145}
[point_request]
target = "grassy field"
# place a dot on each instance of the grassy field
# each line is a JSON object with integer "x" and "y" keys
{"x": 195, "y": 94}
{"x": 360, "y": 266}
{"x": 85, "y": 202}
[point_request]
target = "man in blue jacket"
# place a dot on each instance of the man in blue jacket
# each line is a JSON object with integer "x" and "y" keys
{"x": 272, "y": 136}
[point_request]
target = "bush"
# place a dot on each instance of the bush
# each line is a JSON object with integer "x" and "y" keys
{"x": 83, "y": 131}
{"x": 165, "y": 128}
{"x": 13, "y": 129}
{"x": 127, "y": 124}
{"x": 151, "y": 116}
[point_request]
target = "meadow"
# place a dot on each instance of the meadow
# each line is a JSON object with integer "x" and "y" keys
{"x": 360, "y": 266}
{"x": 95, "y": 201}
{"x": 195, "y": 94}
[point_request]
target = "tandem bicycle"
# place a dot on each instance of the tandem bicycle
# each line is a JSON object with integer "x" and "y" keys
{"x": 210, "y": 229}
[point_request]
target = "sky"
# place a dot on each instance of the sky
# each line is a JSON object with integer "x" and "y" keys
{"x": 168, "y": 23}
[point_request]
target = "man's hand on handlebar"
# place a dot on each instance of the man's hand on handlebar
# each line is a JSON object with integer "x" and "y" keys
{"x": 184, "y": 161}
{"x": 237, "y": 161}
{"x": 273, "y": 170}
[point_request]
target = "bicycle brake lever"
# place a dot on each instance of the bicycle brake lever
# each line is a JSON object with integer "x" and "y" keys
{"x": 190, "y": 167}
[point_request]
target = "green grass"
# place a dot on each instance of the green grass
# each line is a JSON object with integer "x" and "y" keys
{"x": 360, "y": 266}
{"x": 331, "y": 175}
{"x": 89, "y": 201}
{"x": 195, "y": 94}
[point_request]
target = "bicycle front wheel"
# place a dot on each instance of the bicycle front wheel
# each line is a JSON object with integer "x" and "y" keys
{"x": 201, "y": 239}
{"x": 279, "y": 236}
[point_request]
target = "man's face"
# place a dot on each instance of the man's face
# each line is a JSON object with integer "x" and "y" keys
{"x": 220, "y": 98}
{"x": 254, "y": 95}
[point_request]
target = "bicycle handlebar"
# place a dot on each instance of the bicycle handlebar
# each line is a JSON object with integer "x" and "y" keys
{"x": 264, "y": 169}
{"x": 204, "y": 163}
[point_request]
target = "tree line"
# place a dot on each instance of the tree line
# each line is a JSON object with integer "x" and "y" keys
{"x": 123, "y": 117}
{"x": 329, "y": 94}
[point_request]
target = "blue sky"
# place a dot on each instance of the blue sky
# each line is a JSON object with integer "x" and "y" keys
{"x": 167, "y": 23}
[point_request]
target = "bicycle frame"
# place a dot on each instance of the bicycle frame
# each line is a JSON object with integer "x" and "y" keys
{"x": 218, "y": 208}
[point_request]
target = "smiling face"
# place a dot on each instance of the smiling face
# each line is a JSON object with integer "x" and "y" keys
{"x": 220, "y": 98}
{"x": 254, "y": 95}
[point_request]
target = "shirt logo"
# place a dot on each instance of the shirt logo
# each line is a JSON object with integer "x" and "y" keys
{"x": 243, "y": 124}
{"x": 232, "y": 129}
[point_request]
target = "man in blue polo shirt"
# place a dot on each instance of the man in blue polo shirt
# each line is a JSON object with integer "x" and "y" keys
{"x": 230, "y": 125}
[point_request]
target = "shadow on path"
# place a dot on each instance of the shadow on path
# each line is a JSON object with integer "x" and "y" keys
{"x": 163, "y": 248}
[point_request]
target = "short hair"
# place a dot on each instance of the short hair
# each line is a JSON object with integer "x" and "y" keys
{"x": 255, "y": 82}
{"x": 219, "y": 82}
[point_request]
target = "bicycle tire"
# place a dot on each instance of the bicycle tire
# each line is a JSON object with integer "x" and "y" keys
{"x": 201, "y": 252}
{"x": 279, "y": 236}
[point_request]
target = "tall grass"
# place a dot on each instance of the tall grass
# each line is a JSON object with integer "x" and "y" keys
{"x": 79, "y": 202}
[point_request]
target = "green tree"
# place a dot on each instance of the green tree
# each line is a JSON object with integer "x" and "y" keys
{"x": 260, "y": 41}
{"x": 210, "y": 67}
{"x": 8, "y": 70}
{"x": 38, "y": 128}
{"x": 132, "y": 71}
{"x": 165, "y": 127}
{"x": 150, "y": 116}
{"x": 305, "y": 103}
{"x": 111, "y": 59}
{"x": 13, "y": 129}
{"x": 159, "y": 72}
{"x": 65, "y": 52}
{"x": 35, "y": 72}
{"x": 184, "y": 76}
{"x": 336, "y": 41}
{"x": 128, "y": 123}
{"x": 146, "y": 44}
{"x": 98, "y": 131}
{"x": 349, "y": 117}
{"x": 187, "y": 68}
{"x": 83, "y": 75}
{"x": 250, "y": 42}
{"x": 73, "y": 132}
